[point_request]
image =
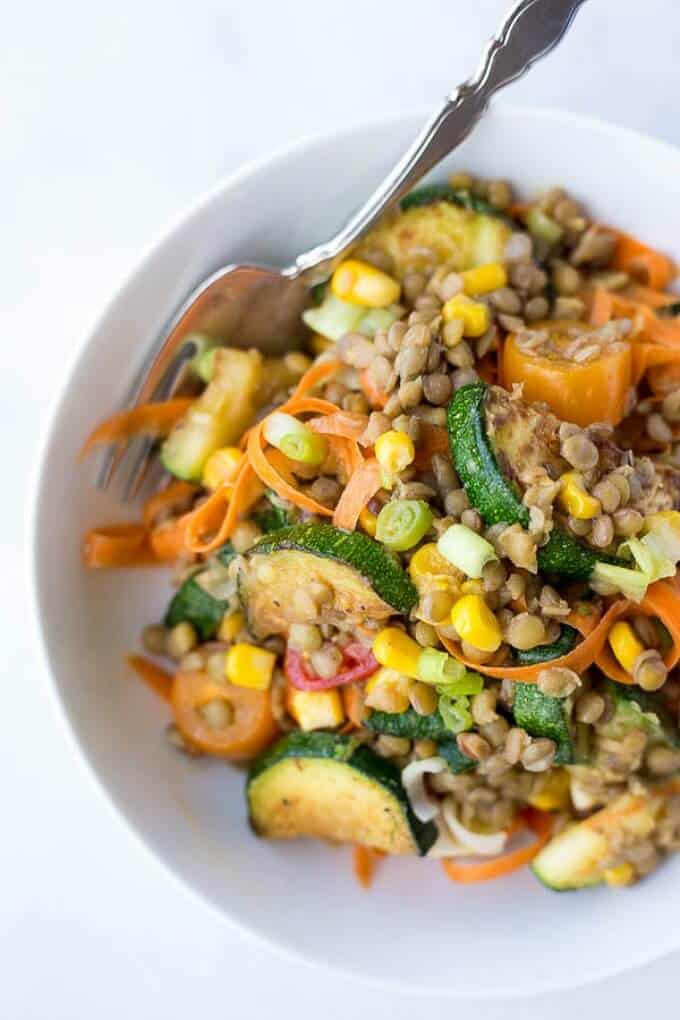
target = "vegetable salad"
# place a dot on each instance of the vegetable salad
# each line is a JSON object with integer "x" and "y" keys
{"x": 425, "y": 567}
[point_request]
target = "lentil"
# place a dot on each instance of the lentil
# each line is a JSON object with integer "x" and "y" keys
{"x": 218, "y": 713}
{"x": 154, "y": 639}
{"x": 580, "y": 451}
{"x": 483, "y": 707}
{"x": 473, "y": 746}
{"x": 558, "y": 681}
{"x": 658, "y": 429}
{"x": 181, "y": 639}
{"x": 539, "y": 755}
{"x": 602, "y": 533}
{"x": 663, "y": 761}
{"x": 649, "y": 670}
{"x": 423, "y": 698}
{"x": 627, "y": 522}
{"x": 326, "y": 661}
{"x": 517, "y": 741}
{"x": 425, "y": 748}
{"x": 437, "y": 388}
{"x": 356, "y": 350}
{"x": 589, "y": 707}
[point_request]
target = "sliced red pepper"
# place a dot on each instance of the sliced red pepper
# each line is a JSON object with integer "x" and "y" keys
{"x": 359, "y": 663}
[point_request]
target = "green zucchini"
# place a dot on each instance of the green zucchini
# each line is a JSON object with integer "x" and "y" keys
{"x": 219, "y": 416}
{"x": 494, "y": 495}
{"x": 363, "y": 579}
{"x": 638, "y": 709}
{"x": 456, "y": 760}
{"x": 575, "y": 859}
{"x": 408, "y": 724}
{"x": 331, "y": 787}
{"x": 543, "y": 716}
{"x": 545, "y": 653}
{"x": 272, "y": 518}
{"x": 204, "y": 598}
{"x": 431, "y": 193}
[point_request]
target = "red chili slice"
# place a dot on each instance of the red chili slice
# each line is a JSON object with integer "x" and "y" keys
{"x": 360, "y": 663}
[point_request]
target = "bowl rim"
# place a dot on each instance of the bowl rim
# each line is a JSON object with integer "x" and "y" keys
{"x": 76, "y": 741}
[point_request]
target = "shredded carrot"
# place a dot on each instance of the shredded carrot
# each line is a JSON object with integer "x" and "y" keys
{"x": 169, "y": 539}
{"x": 364, "y": 861}
{"x": 578, "y": 659}
{"x": 645, "y": 263}
{"x": 317, "y": 373}
{"x": 540, "y": 824}
{"x": 176, "y": 494}
{"x": 118, "y": 545}
{"x": 375, "y": 397}
{"x": 663, "y": 379}
{"x": 353, "y": 702}
{"x": 649, "y": 326}
{"x": 662, "y": 602}
{"x": 209, "y": 519}
{"x": 652, "y": 298}
{"x": 346, "y": 454}
{"x": 601, "y": 308}
{"x": 348, "y": 424}
{"x": 158, "y": 679}
{"x": 147, "y": 419}
{"x": 646, "y": 356}
{"x": 361, "y": 488}
{"x": 432, "y": 439}
{"x": 271, "y": 478}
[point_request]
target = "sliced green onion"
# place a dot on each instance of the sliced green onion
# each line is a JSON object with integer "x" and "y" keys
{"x": 543, "y": 226}
{"x": 631, "y": 583}
{"x": 436, "y": 667}
{"x": 294, "y": 439}
{"x": 648, "y": 558}
{"x": 455, "y": 713}
{"x": 466, "y": 549}
{"x": 402, "y": 523}
{"x": 333, "y": 317}
{"x": 466, "y": 687}
{"x": 379, "y": 318}
{"x": 663, "y": 538}
{"x": 203, "y": 361}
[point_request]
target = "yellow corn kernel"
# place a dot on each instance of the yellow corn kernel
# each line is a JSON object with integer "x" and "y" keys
{"x": 429, "y": 562}
{"x": 476, "y": 624}
{"x": 362, "y": 284}
{"x": 320, "y": 344}
{"x": 368, "y": 522}
{"x": 230, "y": 626}
{"x": 472, "y": 587}
{"x": 622, "y": 874}
{"x": 474, "y": 314}
{"x": 249, "y": 666}
{"x": 553, "y": 794}
{"x": 625, "y": 645}
{"x": 315, "y": 710}
{"x": 483, "y": 279}
{"x": 575, "y": 500}
{"x": 394, "y": 451}
{"x": 387, "y": 691}
{"x": 221, "y": 466}
{"x": 396, "y": 650}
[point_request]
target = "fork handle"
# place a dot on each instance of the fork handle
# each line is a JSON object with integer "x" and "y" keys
{"x": 529, "y": 32}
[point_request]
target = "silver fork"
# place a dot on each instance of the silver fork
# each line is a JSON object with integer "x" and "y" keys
{"x": 257, "y": 306}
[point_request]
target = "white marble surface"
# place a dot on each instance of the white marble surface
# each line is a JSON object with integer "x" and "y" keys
{"x": 112, "y": 117}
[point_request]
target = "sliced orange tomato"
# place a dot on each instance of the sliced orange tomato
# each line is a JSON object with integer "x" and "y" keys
{"x": 581, "y": 393}
{"x": 252, "y": 725}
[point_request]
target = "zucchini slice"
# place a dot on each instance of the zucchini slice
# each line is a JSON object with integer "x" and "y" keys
{"x": 364, "y": 580}
{"x": 575, "y": 859}
{"x": 331, "y": 787}
{"x": 543, "y": 716}
{"x": 520, "y": 440}
{"x": 205, "y": 597}
{"x": 640, "y": 710}
{"x": 458, "y": 236}
{"x": 431, "y": 193}
{"x": 545, "y": 653}
{"x": 408, "y": 724}
{"x": 219, "y": 416}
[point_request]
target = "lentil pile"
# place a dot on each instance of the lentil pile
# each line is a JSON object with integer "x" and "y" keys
{"x": 441, "y": 540}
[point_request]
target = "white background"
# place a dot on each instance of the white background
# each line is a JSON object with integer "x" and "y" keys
{"x": 113, "y": 116}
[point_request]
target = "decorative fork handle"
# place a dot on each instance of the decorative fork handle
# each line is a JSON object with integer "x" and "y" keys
{"x": 531, "y": 30}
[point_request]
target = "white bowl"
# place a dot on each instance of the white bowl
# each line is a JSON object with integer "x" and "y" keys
{"x": 414, "y": 929}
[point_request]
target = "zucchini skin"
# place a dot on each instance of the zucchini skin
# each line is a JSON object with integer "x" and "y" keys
{"x": 348, "y": 751}
{"x": 494, "y": 496}
{"x": 543, "y": 716}
{"x": 408, "y": 724}
{"x": 649, "y": 702}
{"x": 545, "y": 653}
{"x": 192, "y": 604}
{"x": 431, "y": 193}
{"x": 352, "y": 548}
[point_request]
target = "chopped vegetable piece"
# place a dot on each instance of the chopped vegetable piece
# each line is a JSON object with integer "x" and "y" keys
{"x": 466, "y": 549}
{"x": 539, "y": 823}
{"x": 362, "y": 284}
{"x": 250, "y": 726}
{"x": 396, "y": 650}
{"x": 294, "y": 439}
{"x": 359, "y": 663}
{"x": 402, "y": 523}
{"x": 476, "y": 624}
{"x": 315, "y": 710}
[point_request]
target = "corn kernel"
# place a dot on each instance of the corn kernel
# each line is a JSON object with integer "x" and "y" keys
{"x": 474, "y": 314}
{"x": 221, "y": 466}
{"x": 396, "y": 650}
{"x": 394, "y": 451}
{"x": 320, "y": 344}
{"x": 362, "y": 284}
{"x": 429, "y": 562}
{"x": 553, "y": 794}
{"x": 476, "y": 624}
{"x": 625, "y": 645}
{"x": 483, "y": 279}
{"x": 622, "y": 874}
{"x": 230, "y": 626}
{"x": 249, "y": 666}
{"x": 387, "y": 691}
{"x": 472, "y": 587}
{"x": 368, "y": 522}
{"x": 575, "y": 500}
{"x": 315, "y": 710}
